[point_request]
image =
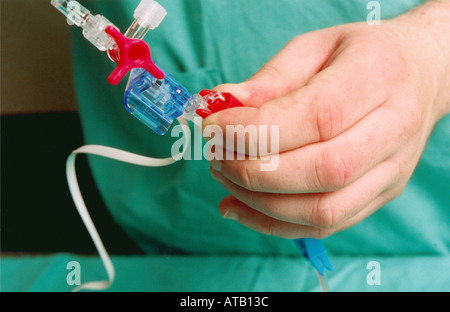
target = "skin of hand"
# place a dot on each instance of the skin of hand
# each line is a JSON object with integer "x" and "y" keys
{"x": 355, "y": 105}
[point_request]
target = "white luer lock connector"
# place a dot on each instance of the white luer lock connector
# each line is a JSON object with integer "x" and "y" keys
{"x": 94, "y": 31}
{"x": 93, "y": 26}
{"x": 149, "y": 13}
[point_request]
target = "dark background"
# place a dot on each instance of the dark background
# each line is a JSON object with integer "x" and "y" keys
{"x": 40, "y": 126}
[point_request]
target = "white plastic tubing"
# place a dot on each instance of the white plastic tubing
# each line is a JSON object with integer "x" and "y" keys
{"x": 119, "y": 155}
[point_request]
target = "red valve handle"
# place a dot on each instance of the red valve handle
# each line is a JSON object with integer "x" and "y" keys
{"x": 216, "y": 102}
{"x": 134, "y": 53}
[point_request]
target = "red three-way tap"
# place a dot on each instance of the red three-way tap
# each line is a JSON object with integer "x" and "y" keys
{"x": 135, "y": 53}
{"x": 216, "y": 102}
{"x": 131, "y": 54}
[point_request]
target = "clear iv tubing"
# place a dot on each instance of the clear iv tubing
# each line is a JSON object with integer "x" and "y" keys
{"x": 323, "y": 282}
{"x": 137, "y": 31}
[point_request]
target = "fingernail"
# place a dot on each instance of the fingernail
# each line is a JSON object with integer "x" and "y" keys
{"x": 230, "y": 215}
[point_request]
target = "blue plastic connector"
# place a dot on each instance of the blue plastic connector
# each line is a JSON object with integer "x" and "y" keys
{"x": 157, "y": 103}
{"x": 314, "y": 251}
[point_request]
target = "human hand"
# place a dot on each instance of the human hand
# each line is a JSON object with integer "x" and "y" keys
{"x": 355, "y": 105}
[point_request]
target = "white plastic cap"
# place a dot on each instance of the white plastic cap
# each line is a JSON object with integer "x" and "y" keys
{"x": 149, "y": 13}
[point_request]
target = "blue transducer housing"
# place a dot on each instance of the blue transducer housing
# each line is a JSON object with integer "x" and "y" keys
{"x": 157, "y": 103}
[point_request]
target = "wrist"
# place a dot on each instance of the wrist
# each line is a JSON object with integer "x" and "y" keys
{"x": 428, "y": 30}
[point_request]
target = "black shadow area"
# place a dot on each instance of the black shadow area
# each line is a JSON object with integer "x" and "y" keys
{"x": 37, "y": 212}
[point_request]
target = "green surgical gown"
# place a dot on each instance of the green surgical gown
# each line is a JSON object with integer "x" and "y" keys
{"x": 174, "y": 210}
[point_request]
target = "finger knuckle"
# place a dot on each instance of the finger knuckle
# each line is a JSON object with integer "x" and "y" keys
{"x": 271, "y": 228}
{"x": 246, "y": 178}
{"x": 268, "y": 70}
{"x": 412, "y": 120}
{"x": 328, "y": 117}
{"x": 332, "y": 170}
{"x": 321, "y": 233}
{"x": 323, "y": 216}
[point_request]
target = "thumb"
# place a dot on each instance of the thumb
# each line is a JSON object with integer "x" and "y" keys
{"x": 290, "y": 69}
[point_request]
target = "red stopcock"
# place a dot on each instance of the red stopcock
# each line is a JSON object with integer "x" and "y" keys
{"x": 132, "y": 53}
{"x": 217, "y": 101}
{"x": 135, "y": 53}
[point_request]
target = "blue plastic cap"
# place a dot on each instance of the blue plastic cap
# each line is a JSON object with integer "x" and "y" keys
{"x": 314, "y": 251}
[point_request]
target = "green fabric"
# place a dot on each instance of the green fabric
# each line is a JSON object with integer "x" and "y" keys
{"x": 174, "y": 209}
{"x": 158, "y": 273}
